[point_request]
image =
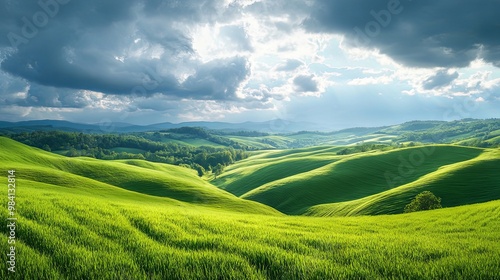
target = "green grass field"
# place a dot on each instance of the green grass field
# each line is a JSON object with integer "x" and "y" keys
{"x": 82, "y": 218}
{"x": 316, "y": 181}
{"x": 470, "y": 181}
{"x": 269, "y": 166}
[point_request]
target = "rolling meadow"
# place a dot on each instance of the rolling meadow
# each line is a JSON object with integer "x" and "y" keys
{"x": 83, "y": 218}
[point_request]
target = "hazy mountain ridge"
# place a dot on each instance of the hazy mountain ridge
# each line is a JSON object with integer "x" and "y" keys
{"x": 272, "y": 126}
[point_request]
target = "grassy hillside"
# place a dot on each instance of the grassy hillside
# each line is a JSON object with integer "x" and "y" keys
{"x": 296, "y": 181}
{"x": 270, "y": 166}
{"x": 471, "y": 181}
{"x": 93, "y": 175}
{"x": 75, "y": 227}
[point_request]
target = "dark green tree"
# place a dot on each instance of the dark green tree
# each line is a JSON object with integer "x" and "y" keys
{"x": 47, "y": 148}
{"x": 425, "y": 200}
{"x": 218, "y": 170}
{"x": 72, "y": 153}
{"x": 201, "y": 171}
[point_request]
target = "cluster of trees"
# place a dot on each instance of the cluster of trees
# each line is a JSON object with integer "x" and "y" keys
{"x": 244, "y": 133}
{"x": 425, "y": 200}
{"x": 100, "y": 146}
{"x": 482, "y": 142}
{"x": 202, "y": 133}
{"x": 365, "y": 147}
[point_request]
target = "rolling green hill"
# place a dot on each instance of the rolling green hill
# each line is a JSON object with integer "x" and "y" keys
{"x": 471, "y": 181}
{"x": 80, "y": 218}
{"x": 269, "y": 166}
{"x": 300, "y": 181}
{"x": 145, "y": 178}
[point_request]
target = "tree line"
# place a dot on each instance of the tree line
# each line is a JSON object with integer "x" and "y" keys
{"x": 203, "y": 134}
{"x": 203, "y": 159}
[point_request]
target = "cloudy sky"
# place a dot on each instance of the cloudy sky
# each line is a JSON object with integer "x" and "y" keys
{"x": 336, "y": 62}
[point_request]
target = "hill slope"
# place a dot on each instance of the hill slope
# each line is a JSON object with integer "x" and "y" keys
{"x": 471, "y": 181}
{"x": 325, "y": 178}
{"x": 105, "y": 177}
{"x": 269, "y": 166}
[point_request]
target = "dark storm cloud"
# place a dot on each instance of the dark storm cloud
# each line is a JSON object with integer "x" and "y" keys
{"x": 425, "y": 33}
{"x": 304, "y": 83}
{"x": 289, "y": 65}
{"x": 88, "y": 69}
{"x": 22, "y": 21}
{"x": 440, "y": 79}
{"x": 114, "y": 46}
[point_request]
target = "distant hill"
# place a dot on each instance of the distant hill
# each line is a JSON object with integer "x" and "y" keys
{"x": 282, "y": 134}
{"x": 272, "y": 126}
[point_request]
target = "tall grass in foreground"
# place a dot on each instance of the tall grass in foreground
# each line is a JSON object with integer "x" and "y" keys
{"x": 67, "y": 234}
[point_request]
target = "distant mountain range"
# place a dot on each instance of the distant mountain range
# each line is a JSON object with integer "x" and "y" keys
{"x": 277, "y": 126}
{"x": 272, "y": 126}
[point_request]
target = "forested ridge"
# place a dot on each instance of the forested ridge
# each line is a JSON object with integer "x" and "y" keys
{"x": 100, "y": 146}
{"x": 476, "y": 133}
